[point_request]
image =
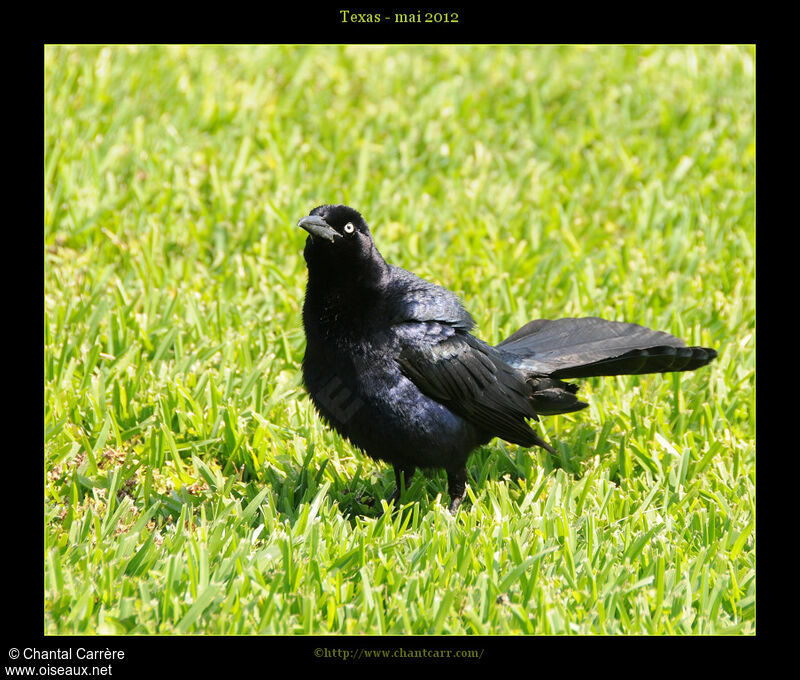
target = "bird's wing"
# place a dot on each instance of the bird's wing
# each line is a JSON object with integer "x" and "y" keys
{"x": 469, "y": 377}
{"x": 413, "y": 299}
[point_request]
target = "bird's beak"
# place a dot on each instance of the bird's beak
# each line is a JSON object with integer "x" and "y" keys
{"x": 318, "y": 228}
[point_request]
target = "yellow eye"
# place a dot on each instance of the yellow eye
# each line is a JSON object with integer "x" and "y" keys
{"x": 349, "y": 228}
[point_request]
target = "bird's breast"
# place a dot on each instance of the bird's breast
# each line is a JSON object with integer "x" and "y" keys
{"x": 362, "y": 393}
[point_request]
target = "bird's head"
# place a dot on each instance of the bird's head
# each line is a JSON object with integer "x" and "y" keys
{"x": 335, "y": 224}
{"x": 338, "y": 238}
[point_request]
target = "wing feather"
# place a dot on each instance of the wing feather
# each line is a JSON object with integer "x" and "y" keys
{"x": 471, "y": 379}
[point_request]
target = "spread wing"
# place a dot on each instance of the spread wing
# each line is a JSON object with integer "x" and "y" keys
{"x": 469, "y": 377}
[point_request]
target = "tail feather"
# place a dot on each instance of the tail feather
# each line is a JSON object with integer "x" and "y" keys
{"x": 550, "y": 396}
{"x": 588, "y": 347}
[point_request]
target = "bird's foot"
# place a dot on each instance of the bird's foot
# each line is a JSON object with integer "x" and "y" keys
{"x": 455, "y": 504}
{"x": 457, "y": 486}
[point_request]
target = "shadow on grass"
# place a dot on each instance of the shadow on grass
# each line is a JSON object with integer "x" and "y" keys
{"x": 290, "y": 486}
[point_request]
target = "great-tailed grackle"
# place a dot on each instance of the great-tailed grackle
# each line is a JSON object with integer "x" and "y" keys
{"x": 390, "y": 362}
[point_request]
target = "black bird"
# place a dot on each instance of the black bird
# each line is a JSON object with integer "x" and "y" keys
{"x": 391, "y": 364}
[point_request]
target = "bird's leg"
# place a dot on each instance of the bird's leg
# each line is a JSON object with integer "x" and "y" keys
{"x": 402, "y": 478}
{"x": 457, "y": 487}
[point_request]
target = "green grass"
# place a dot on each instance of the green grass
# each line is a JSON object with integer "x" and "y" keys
{"x": 190, "y": 487}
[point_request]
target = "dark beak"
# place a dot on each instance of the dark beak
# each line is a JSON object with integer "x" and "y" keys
{"x": 318, "y": 228}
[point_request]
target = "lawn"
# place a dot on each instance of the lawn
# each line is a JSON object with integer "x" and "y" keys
{"x": 189, "y": 486}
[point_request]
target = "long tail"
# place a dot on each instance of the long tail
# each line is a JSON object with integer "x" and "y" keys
{"x": 588, "y": 347}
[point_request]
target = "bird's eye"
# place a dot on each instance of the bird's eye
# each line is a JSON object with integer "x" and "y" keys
{"x": 349, "y": 228}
